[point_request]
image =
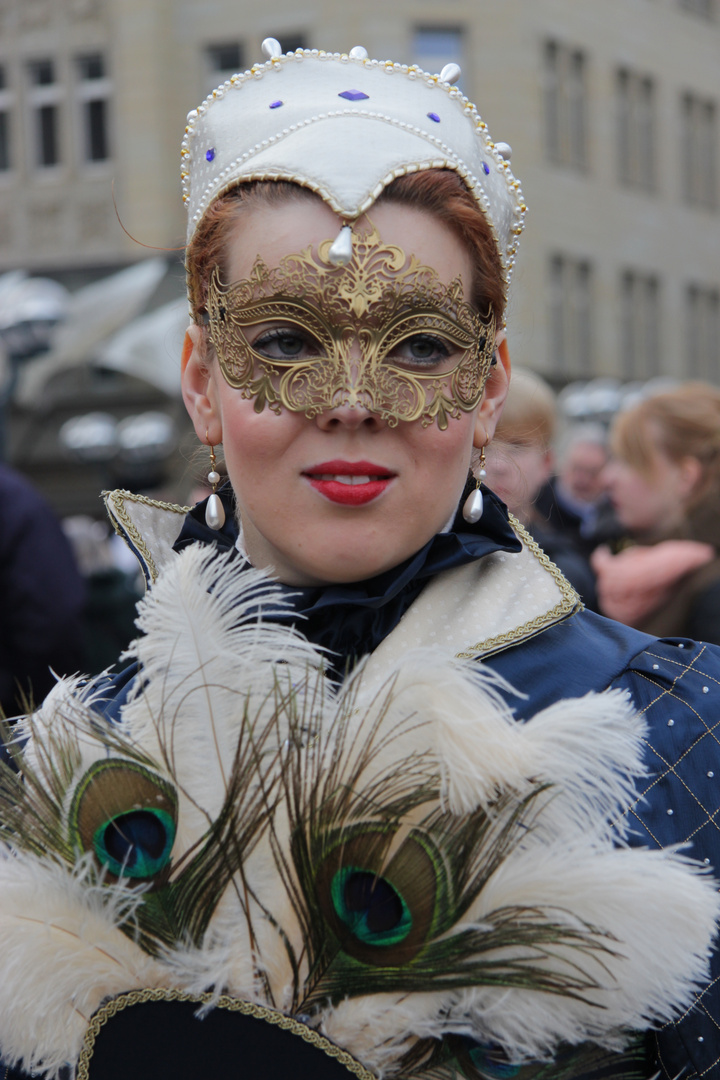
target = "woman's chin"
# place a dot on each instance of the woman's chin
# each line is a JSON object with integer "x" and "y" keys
{"x": 335, "y": 565}
{"x": 333, "y": 571}
{"x": 330, "y": 552}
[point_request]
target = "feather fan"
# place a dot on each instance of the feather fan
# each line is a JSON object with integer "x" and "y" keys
{"x": 437, "y": 888}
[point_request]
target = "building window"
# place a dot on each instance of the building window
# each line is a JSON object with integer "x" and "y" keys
{"x": 640, "y": 325}
{"x": 6, "y": 103}
{"x": 222, "y": 61}
{"x": 44, "y": 95}
{"x": 635, "y": 95}
{"x": 48, "y": 149}
{"x": 42, "y": 72}
{"x": 435, "y": 46}
{"x": 707, "y": 9}
{"x": 566, "y": 105}
{"x": 699, "y": 151}
{"x": 93, "y": 91}
{"x": 703, "y": 332}
{"x": 570, "y": 315}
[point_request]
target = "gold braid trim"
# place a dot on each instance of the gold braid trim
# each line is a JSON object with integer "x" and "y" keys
{"x": 569, "y": 604}
{"x": 260, "y": 1012}
{"x": 122, "y": 522}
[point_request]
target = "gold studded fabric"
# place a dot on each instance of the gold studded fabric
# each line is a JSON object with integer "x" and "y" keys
{"x": 678, "y": 691}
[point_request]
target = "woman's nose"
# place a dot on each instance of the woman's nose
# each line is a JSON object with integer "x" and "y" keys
{"x": 351, "y": 417}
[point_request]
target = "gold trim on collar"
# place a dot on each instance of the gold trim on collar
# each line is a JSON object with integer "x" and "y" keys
{"x": 126, "y": 528}
{"x": 260, "y": 1012}
{"x": 569, "y": 604}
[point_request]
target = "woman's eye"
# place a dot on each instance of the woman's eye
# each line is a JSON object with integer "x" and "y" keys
{"x": 286, "y": 344}
{"x": 422, "y": 351}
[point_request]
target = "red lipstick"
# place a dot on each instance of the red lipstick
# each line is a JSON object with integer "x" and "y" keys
{"x": 350, "y": 483}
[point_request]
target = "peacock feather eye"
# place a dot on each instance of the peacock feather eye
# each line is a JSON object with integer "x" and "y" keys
{"x": 380, "y": 899}
{"x": 127, "y": 816}
{"x": 371, "y": 908}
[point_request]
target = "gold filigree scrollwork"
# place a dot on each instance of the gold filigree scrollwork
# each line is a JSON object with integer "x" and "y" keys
{"x": 360, "y": 335}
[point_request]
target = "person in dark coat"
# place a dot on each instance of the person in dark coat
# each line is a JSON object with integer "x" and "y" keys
{"x": 42, "y": 597}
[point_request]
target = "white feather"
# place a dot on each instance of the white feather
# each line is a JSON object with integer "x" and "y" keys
{"x": 210, "y": 672}
{"x": 638, "y": 898}
{"x": 62, "y": 953}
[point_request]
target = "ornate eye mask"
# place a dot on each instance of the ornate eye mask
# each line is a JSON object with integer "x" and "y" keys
{"x": 382, "y": 333}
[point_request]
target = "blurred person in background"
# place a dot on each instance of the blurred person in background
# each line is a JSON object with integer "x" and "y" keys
{"x": 111, "y": 591}
{"x": 574, "y": 501}
{"x": 583, "y": 457}
{"x": 664, "y": 484}
{"x": 41, "y": 632}
{"x": 520, "y": 463}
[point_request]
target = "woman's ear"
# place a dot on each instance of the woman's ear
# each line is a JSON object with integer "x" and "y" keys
{"x": 198, "y": 388}
{"x": 496, "y": 388}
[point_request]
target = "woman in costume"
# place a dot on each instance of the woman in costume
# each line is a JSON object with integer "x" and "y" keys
{"x": 374, "y": 796}
{"x": 664, "y": 482}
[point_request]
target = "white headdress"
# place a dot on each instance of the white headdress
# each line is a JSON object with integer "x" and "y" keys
{"x": 345, "y": 126}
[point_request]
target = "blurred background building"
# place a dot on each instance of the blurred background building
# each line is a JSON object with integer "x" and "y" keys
{"x": 611, "y": 109}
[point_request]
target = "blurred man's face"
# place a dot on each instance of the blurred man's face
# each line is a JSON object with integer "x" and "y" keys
{"x": 581, "y": 469}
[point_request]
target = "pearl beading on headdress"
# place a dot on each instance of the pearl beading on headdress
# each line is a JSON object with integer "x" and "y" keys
{"x": 320, "y": 150}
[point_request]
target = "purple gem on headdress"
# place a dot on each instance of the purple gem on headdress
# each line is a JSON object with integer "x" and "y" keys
{"x": 275, "y": 104}
{"x": 486, "y": 168}
{"x": 210, "y": 154}
{"x": 434, "y": 116}
{"x": 353, "y": 95}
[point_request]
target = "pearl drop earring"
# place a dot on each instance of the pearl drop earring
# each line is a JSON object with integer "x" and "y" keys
{"x": 214, "y": 509}
{"x": 473, "y": 506}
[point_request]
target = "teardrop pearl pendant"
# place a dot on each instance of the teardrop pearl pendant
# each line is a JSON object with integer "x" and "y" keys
{"x": 214, "y": 512}
{"x": 341, "y": 250}
{"x": 473, "y": 506}
{"x": 214, "y": 509}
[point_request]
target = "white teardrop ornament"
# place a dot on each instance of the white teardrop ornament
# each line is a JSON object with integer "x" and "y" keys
{"x": 214, "y": 513}
{"x": 473, "y": 507}
{"x": 341, "y": 251}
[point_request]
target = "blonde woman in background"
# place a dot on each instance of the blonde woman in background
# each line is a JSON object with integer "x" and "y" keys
{"x": 664, "y": 484}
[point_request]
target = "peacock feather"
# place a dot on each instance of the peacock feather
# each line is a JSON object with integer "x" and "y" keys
{"x": 438, "y": 889}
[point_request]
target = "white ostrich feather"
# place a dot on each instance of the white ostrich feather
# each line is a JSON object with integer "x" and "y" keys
{"x": 639, "y": 898}
{"x": 210, "y": 660}
{"x": 62, "y": 954}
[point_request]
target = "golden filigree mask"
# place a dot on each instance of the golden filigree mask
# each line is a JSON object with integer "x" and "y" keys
{"x": 382, "y": 333}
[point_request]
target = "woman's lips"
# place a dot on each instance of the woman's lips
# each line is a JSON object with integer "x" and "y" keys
{"x": 351, "y": 483}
